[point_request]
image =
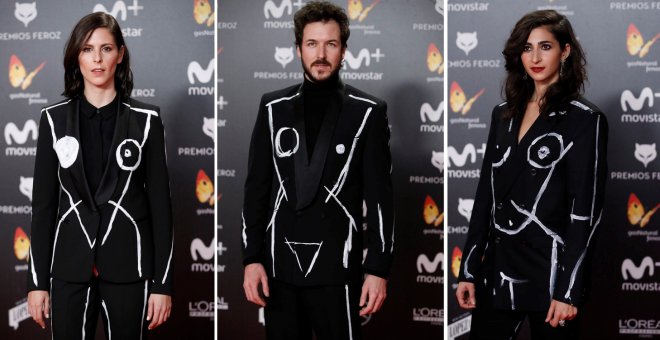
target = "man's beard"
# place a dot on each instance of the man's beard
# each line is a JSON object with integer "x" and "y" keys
{"x": 308, "y": 74}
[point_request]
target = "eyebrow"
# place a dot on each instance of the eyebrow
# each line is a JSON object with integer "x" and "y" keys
{"x": 540, "y": 42}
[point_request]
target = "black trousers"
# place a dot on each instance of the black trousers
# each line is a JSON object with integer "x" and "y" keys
{"x": 329, "y": 312}
{"x": 75, "y": 308}
{"x": 496, "y": 324}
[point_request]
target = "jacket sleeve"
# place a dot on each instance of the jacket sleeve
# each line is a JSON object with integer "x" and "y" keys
{"x": 478, "y": 232}
{"x": 45, "y": 201}
{"x": 378, "y": 197}
{"x": 157, "y": 187}
{"x": 586, "y": 169}
{"x": 257, "y": 194}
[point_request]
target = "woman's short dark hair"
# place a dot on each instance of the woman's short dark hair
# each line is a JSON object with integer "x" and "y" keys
{"x": 323, "y": 11}
{"x": 519, "y": 89}
{"x": 73, "y": 79}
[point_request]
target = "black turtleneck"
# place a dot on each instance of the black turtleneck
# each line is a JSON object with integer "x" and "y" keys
{"x": 318, "y": 99}
{"x": 97, "y": 126}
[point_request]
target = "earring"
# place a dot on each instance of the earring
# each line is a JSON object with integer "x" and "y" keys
{"x": 561, "y": 67}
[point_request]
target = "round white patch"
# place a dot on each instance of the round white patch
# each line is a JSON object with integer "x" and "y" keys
{"x": 544, "y": 151}
{"x": 340, "y": 148}
{"x": 66, "y": 149}
{"x": 125, "y": 158}
{"x": 278, "y": 146}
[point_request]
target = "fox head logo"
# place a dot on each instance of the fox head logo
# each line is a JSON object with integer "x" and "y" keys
{"x": 466, "y": 41}
{"x": 283, "y": 55}
{"x": 25, "y": 12}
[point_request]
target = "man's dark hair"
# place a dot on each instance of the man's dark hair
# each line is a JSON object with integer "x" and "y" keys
{"x": 323, "y": 11}
{"x": 73, "y": 80}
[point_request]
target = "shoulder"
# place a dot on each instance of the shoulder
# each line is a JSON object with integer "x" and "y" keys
{"x": 58, "y": 107}
{"x": 357, "y": 94}
{"x": 582, "y": 110}
{"x": 136, "y": 104}
{"x": 284, "y": 93}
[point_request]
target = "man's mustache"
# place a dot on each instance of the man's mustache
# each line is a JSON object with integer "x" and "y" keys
{"x": 321, "y": 62}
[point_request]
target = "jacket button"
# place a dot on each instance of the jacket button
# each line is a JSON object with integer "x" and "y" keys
{"x": 533, "y": 172}
{"x": 499, "y": 206}
{"x": 497, "y": 239}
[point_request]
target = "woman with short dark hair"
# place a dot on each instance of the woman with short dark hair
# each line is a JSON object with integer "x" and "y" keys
{"x": 101, "y": 212}
{"x": 540, "y": 194}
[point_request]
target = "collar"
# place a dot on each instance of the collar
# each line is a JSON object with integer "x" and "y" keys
{"x": 107, "y": 111}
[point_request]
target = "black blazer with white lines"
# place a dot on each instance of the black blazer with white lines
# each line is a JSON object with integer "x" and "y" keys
{"x": 303, "y": 218}
{"x": 124, "y": 229}
{"x": 537, "y": 207}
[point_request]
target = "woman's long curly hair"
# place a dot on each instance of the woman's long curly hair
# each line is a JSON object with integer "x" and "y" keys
{"x": 519, "y": 89}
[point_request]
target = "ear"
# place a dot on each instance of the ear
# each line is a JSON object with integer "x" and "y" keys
{"x": 343, "y": 51}
{"x": 298, "y": 51}
{"x": 566, "y": 52}
{"x": 121, "y": 55}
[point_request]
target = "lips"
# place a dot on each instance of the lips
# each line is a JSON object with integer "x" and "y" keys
{"x": 537, "y": 69}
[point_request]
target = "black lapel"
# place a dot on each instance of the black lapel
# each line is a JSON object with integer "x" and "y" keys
{"x": 309, "y": 172}
{"x": 518, "y": 154}
{"x": 111, "y": 172}
{"x": 77, "y": 169}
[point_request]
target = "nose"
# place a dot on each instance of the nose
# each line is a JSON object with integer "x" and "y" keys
{"x": 97, "y": 56}
{"x": 320, "y": 52}
{"x": 536, "y": 56}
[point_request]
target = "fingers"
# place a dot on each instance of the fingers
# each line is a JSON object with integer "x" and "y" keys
{"x": 47, "y": 308}
{"x": 264, "y": 286}
{"x": 363, "y": 296}
{"x": 466, "y": 296}
{"x": 150, "y": 309}
{"x": 251, "y": 283}
{"x": 551, "y": 311}
{"x": 37, "y": 304}
{"x": 156, "y": 319}
{"x": 374, "y": 298}
{"x": 161, "y": 307}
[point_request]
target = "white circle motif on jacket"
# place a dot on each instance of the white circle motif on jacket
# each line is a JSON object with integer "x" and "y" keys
{"x": 278, "y": 144}
{"x": 545, "y": 150}
{"x": 129, "y": 154}
{"x": 66, "y": 149}
{"x": 340, "y": 148}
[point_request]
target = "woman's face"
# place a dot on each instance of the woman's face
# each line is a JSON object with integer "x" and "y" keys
{"x": 542, "y": 56}
{"x": 98, "y": 60}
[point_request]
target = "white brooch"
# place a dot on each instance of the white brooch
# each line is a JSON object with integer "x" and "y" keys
{"x": 340, "y": 148}
{"x": 543, "y": 152}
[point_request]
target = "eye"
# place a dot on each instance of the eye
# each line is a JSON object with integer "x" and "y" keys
{"x": 311, "y": 44}
{"x": 107, "y": 49}
{"x": 546, "y": 46}
{"x": 86, "y": 49}
{"x": 527, "y": 48}
{"x": 332, "y": 44}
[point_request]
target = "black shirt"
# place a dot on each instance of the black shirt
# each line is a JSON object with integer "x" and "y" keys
{"x": 97, "y": 126}
{"x": 319, "y": 98}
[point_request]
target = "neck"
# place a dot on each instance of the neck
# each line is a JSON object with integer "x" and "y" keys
{"x": 540, "y": 87}
{"x": 327, "y": 84}
{"x": 99, "y": 97}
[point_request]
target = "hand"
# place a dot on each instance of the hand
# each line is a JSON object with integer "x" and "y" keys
{"x": 159, "y": 309}
{"x": 560, "y": 311}
{"x": 38, "y": 306}
{"x": 465, "y": 295}
{"x": 374, "y": 292}
{"x": 254, "y": 275}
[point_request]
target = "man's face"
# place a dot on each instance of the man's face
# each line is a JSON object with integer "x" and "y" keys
{"x": 321, "y": 50}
